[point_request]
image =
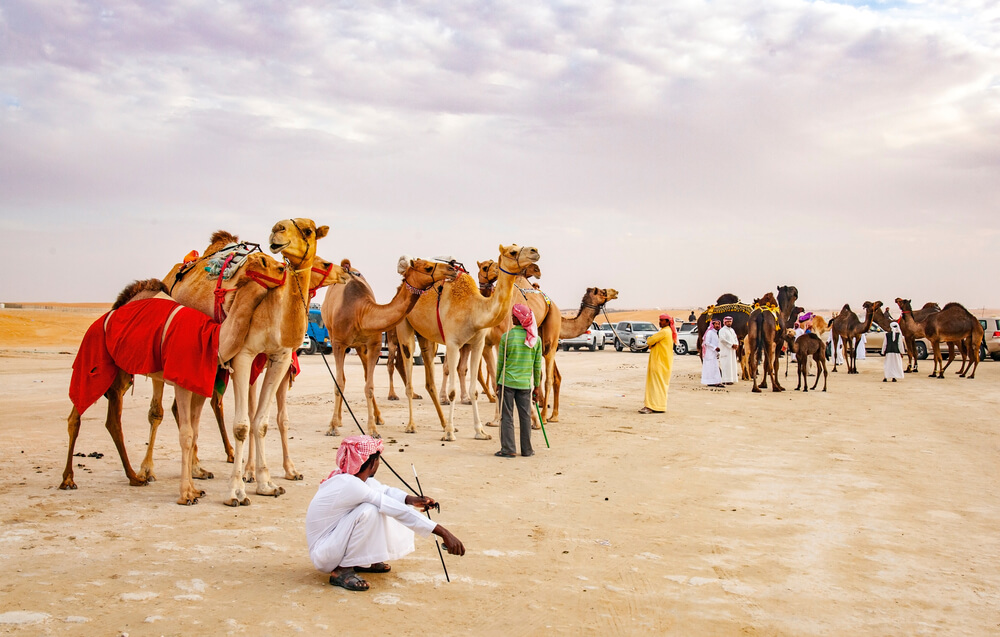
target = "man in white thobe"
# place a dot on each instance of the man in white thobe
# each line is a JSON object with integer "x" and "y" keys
{"x": 893, "y": 348}
{"x": 729, "y": 345}
{"x": 355, "y": 524}
{"x": 710, "y": 373}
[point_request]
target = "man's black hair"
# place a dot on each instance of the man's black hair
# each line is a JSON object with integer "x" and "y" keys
{"x": 370, "y": 461}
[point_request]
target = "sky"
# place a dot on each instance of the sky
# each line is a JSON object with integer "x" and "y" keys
{"x": 673, "y": 151}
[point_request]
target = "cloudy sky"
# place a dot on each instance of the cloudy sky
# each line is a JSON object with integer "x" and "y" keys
{"x": 673, "y": 151}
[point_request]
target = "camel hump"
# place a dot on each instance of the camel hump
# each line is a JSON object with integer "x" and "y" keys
{"x": 728, "y": 297}
{"x": 224, "y": 237}
{"x": 133, "y": 289}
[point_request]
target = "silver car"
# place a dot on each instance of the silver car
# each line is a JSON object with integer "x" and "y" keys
{"x": 633, "y": 335}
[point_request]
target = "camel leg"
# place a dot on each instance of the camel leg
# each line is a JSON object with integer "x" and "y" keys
{"x": 362, "y": 352}
{"x": 73, "y": 423}
{"x": 281, "y": 398}
{"x": 464, "y": 380}
{"x": 369, "y": 361}
{"x": 911, "y": 353}
{"x": 251, "y": 455}
{"x": 401, "y": 368}
{"x": 114, "y": 423}
{"x": 276, "y": 369}
{"x": 237, "y": 495}
{"x": 197, "y": 471}
{"x": 392, "y": 361}
{"x": 800, "y": 372}
{"x": 220, "y": 419}
{"x": 155, "y": 417}
{"x": 484, "y": 379}
{"x": 189, "y": 406}
{"x": 428, "y": 349}
{"x": 336, "y": 420}
{"x": 548, "y": 382}
{"x": 404, "y": 334}
{"x": 775, "y": 365}
{"x": 476, "y": 356}
{"x": 821, "y": 362}
{"x": 445, "y": 378}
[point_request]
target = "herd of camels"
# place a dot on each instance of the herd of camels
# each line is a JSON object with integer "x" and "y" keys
{"x": 764, "y": 328}
{"x": 262, "y": 305}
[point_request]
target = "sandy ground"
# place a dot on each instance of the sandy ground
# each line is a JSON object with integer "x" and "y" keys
{"x": 868, "y": 510}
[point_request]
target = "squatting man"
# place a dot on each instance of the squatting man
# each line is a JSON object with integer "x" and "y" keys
{"x": 355, "y": 524}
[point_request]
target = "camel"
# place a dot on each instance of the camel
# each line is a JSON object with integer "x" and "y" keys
{"x": 912, "y": 330}
{"x": 231, "y": 335}
{"x": 356, "y": 320}
{"x": 848, "y": 328}
{"x": 593, "y": 301}
{"x": 488, "y": 273}
{"x": 809, "y": 345}
{"x": 953, "y": 324}
{"x": 191, "y": 287}
{"x": 278, "y": 328}
{"x": 769, "y": 319}
{"x": 456, "y": 313}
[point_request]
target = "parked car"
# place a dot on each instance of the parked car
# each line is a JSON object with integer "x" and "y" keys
{"x": 609, "y": 334}
{"x": 633, "y": 335}
{"x": 687, "y": 339}
{"x": 991, "y": 338}
{"x": 592, "y": 339}
{"x": 876, "y": 336}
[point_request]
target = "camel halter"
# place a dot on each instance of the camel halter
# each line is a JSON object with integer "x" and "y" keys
{"x": 325, "y": 273}
{"x": 517, "y": 260}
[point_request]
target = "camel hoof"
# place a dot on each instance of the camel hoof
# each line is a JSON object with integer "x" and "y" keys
{"x": 230, "y": 459}
{"x": 536, "y": 427}
{"x": 553, "y": 419}
{"x": 231, "y": 502}
{"x": 203, "y": 475}
{"x": 448, "y": 437}
{"x": 332, "y": 432}
{"x": 755, "y": 390}
{"x": 245, "y": 502}
{"x": 482, "y": 435}
{"x": 274, "y": 491}
{"x": 68, "y": 485}
{"x": 466, "y": 401}
{"x": 392, "y": 397}
{"x": 187, "y": 501}
{"x": 380, "y": 423}
{"x": 492, "y": 424}
{"x": 410, "y": 429}
{"x": 293, "y": 476}
{"x": 417, "y": 397}
{"x": 444, "y": 401}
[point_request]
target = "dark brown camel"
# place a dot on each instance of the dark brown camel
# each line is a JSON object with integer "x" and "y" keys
{"x": 912, "y": 330}
{"x": 848, "y": 328}
{"x": 953, "y": 324}
{"x": 729, "y": 305}
{"x": 764, "y": 330}
{"x": 807, "y": 346}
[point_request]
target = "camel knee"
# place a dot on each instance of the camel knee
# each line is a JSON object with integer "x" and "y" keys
{"x": 240, "y": 432}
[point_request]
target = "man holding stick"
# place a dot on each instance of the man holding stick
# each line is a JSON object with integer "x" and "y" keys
{"x": 355, "y": 524}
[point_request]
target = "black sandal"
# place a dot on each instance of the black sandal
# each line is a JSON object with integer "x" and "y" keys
{"x": 350, "y": 581}
{"x": 504, "y": 454}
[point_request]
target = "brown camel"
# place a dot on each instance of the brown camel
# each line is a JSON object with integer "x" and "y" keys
{"x": 953, "y": 324}
{"x": 912, "y": 330}
{"x": 355, "y": 320}
{"x": 454, "y": 314}
{"x": 232, "y": 332}
{"x": 809, "y": 345}
{"x": 593, "y": 301}
{"x": 848, "y": 328}
{"x": 769, "y": 319}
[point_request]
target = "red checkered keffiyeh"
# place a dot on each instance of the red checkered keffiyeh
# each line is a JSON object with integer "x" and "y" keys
{"x": 527, "y": 320}
{"x": 353, "y": 453}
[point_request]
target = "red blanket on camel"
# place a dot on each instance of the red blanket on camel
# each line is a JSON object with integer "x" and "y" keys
{"x": 189, "y": 356}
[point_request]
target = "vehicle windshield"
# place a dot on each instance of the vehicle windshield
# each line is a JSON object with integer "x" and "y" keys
{"x": 644, "y": 327}
{"x": 687, "y": 327}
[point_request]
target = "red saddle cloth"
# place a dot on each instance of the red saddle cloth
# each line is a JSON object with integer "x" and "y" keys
{"x": 131, "y": 341}
{"x": 260, "y": 361}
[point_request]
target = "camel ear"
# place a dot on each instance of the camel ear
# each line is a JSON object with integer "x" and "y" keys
{"x": 345, "y": 263}
{"x": 322, "y": 232}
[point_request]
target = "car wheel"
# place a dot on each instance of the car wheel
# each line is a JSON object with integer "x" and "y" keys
{"x": 681, "y": 348}
{"x": 313, "y": 347}
{"x": 921, "y": 351}
{"x": 982, "y": 352}
{"x": 618, "y": 345}
{"x": 593, "y": 346}
{"x": 601, "y": 347}
{"x": 631, "y": 345}
{"x": 995, "y": 356}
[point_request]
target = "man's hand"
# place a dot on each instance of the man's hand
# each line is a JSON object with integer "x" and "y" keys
{"x": 452, "y": 543}
{"x": 537, "y": 395}
{"x": 421, "y": 502}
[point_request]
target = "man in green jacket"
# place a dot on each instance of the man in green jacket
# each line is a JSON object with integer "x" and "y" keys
{"x": 519, "y": 367}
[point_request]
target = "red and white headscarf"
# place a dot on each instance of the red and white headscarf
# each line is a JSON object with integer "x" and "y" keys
{"x": 527, "y": 320}
{"x": 670, "y": 321}
{"x": 354, "y": 452}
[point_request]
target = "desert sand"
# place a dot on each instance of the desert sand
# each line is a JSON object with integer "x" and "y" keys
{"x": 871, "y": 509}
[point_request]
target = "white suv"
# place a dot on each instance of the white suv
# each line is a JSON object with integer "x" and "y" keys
{"x": 592, "y": 339}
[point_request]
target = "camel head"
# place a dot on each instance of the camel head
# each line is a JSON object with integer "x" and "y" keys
{"x": 265, "y": 270}
{"x": 488, "y": 272}
{"x": 611, "y": 294}
{"x": 296, "y": 239}
{"x": 597, "y": 297}
{"x": 514, "y": 259}
{"x": 871, "y": 306}
{"x": 326, "y": 273}
{"x": 422, "y": 274}
{"x": 904, "y": 305}
{"x": 787, "y": 295}
{"x": 532, "y": 271}
{"x": 790, "y": 338}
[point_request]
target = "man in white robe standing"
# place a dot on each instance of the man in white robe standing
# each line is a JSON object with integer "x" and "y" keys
{"x": 893, "y": 348}
{"x": 710, "y": 372}
{"x": 729, "y": 345}
{"x": 355, "y": 524}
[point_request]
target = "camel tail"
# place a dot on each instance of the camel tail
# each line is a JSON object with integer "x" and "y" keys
{"x": 134, "y": 288}
{"x": 759, "y": 320}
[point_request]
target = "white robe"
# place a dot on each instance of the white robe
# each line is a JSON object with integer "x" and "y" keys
{"x": 355, "y": 523}
{"x": 894, "y": 362}
{"x": 710, "y": 372}
{"x": 798, "y": 332}
{"x": 729, "y": 364}
{"x": 861, "y": 348}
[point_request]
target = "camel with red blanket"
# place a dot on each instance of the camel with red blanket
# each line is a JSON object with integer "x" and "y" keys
{"x": 147, "y": 332}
